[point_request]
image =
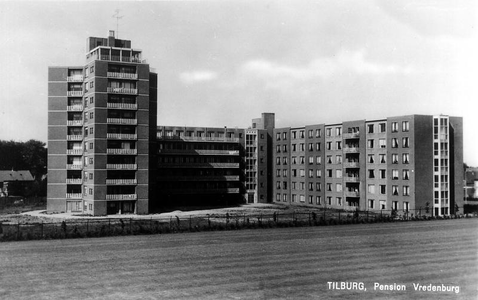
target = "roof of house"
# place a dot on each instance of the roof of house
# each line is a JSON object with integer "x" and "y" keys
{"x": 22, "y": 175}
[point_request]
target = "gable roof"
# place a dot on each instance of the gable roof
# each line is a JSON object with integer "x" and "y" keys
{"x": 23, "y": 175}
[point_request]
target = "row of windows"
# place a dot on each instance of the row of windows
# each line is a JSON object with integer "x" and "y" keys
{"x": 382, "y": 143}
{"x": 338, "y": 159}
{"x": 383, "y": 205}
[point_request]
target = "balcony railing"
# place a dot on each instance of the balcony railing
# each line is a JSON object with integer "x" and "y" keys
{"x": 202, "y": 191}
{"x": 123, "y": 106}
{"x": 121, "y": 166}
{"x": 74, "y": 93}
{"x": 74, "y": 78}
{"x": 352, "y": 179}
{"x": 74, "y": 137}
{"x": 198, "y": 138}
{"x": 74, "y": 122}
{"x": 122, "y": 75}
{"x": 204, "y": 152}
{"x": 200, "y": 178}
{"x": 122, "y": 151}
{"x": 122, "y": 121}
{"x": 121, "y": 136}
{"x": 351, "y": 149}
{"x": 352, "y": 194}
{"x": 74, "y": 166}
{"x": 122, "y": 91}
{"x": 73, "y": 196}
{"x": 352, "y": 164}
{"x": 74, "y": 181}
{"x": 121, "y": 181}
{"x": 199, "y": 165}
{"x": 74, "y": 151}
{"x": 121, "y": 197}
{"x": 351, "y": 135}
{"x": 74, "y": 108}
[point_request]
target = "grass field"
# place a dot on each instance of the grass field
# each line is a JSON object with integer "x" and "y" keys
{"x": 281, "y": 263}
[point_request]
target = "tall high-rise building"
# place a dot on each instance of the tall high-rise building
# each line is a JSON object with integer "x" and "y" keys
{"x": 101, "y": 131}
{"x": 399, "y": 163}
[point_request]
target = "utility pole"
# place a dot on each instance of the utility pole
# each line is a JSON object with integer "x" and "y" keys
{"x": 118, "y": 17}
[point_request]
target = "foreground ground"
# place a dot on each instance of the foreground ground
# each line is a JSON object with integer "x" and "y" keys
{"x": 281, "y": 263}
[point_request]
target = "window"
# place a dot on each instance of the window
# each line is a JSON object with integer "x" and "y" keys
{"x": 371, "y": 173}
{"x": 311, "y": 160}
{"x": 284, "y": 135}
{"x": 311, "y": 199}
{"x": 329, "y": 159}
{"x": 394, "y": 158}
{"x": 302, "y": 147}
{"x": 284, "y": 160}
{"x": 318, "y": 159}
{"x": 371, "y": 159}
{"x": 294, "y": 172}
{"x": 91, "y": 84}
{"x": 329, "y": 173}
{"x": 311, "y": 147}
{"x": 395, "y": 190}
{"x": 294, "y": 160}
{"x": 319, "y": 174}
{"x": 277, "y": 197}
{"x": 394, "y": 143}
{"x": 383, "y": 174}
{"x": 382, "y": 143}
{"x": 394, "y": 126}
{"x": 278, "y": 136}
{"x": 311, "y": 133}
{"x": 405, "y": 158}
{"x": 405, "y": 126}
{"x": 406, "y": 206}
{"x": 339, "y": 201}
{"x": 371, "y": 188}
{"x": 284, "y": 148}
{"x": 284, "y": 173}
{"x": 318, "y": 133}
{"x": 406, "y": 174}
{"x": 91, "y": 145}
{"x": 294, "y": 134}
{"x": 328, "y": 131}
{"x": 91, "y": 115}
{"x": 284, "y": 185}
{"x": 394, "y": 174}
{"x": 317, "y": 146}
{"x": 339, "y": 145}
{"x": 383, "y": 158}
{"x": 406, "y": 190}
{"x": 311, "y": 173}
{"x": 91, "y": 160}
{"x": 318, "y": 200}
{"x": 90, "y": 191}
{"x": 338, "y": 131}
{"x": 383, "y": 127}
{"x": 395, "y": 205}
{"x": 92, "y": 69}
{"x": 370, "y": 144}
{"x": 302, "y": 160}
{"x": 383, "y": 189}
{"x": 318, "y": 186}
{"x": 338, "y": 173}
{"x": 278, "y": 173}
{"x": 371, "y": 203}
{"x": 294, "y": 147}
{"x": 302, "y": 134}
{"x": 92, "y": 99}
{"x": 329, "y": 187}
{"x": 302, "y": 173}
{"x": 329, "y": 145}
{"x": 294, "y": 197}
{"x": 277, "y": 160}
{"x": 338, "y": 187}
{"x": 383, "y": 204}
{"x": 293, "y": 185}
{"x": 405, "y": 142}
{"x": 311, "y": 186}
{"x": 284, "y": 198}
{"x": 370, "y": 128}
{"x": 91, "y": 130}
{"x": 90, "y": 176}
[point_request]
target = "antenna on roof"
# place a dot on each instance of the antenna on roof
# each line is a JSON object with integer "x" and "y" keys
{"x": 118, "y": 17}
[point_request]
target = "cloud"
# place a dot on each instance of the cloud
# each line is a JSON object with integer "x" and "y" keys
{"x": 350, "y": 63}
{"x": 197, "y": 76}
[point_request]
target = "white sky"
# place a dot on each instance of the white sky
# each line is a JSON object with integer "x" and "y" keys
{"x": 222, "y": 63}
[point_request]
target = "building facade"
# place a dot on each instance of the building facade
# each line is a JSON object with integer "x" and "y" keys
{"x": 101, "y": 131}
{"x": 398, "y": 163}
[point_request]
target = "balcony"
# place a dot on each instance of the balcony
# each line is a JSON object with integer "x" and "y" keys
{"x": 74, "y": 166}
{"x": 74, "y": 181}
{"x": 74, "y": 93}
{"x": 74, "y": 151}
{"x": 121, "y": 166}
{"x": 74, "y": 108}
{"x": 122, "y": 75}
{"x": 123, "y": 106}
{"x": 200, "y": 152}
{"x": 352, "y": 179}
{"x": 122, "y": 91}
{"x": 75, "y": 78}
{"x": 73, "y": 196}
{"x": 351, "y": 149}
{"x": 351, "y": 164}
{"x": 74, "y": 137}
{"x": 351, "y": 135}
{"x": 354, "y": 194}
{"x": 121, "y": 181}
{"x": 201, "y": 191}
{"x": 121, "y": 136}
{"x": 74, "y": 122}
{"x": 199, "y": 165}
{"x": 122, "y": 121}
{"x": 200, "y": 178}
{"x": 122, "y": 151}
{"x": 198, "y": 138}
{"x": 121, "y": 197}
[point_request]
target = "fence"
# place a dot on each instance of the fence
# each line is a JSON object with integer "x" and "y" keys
{"x": 77, "y": 228}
